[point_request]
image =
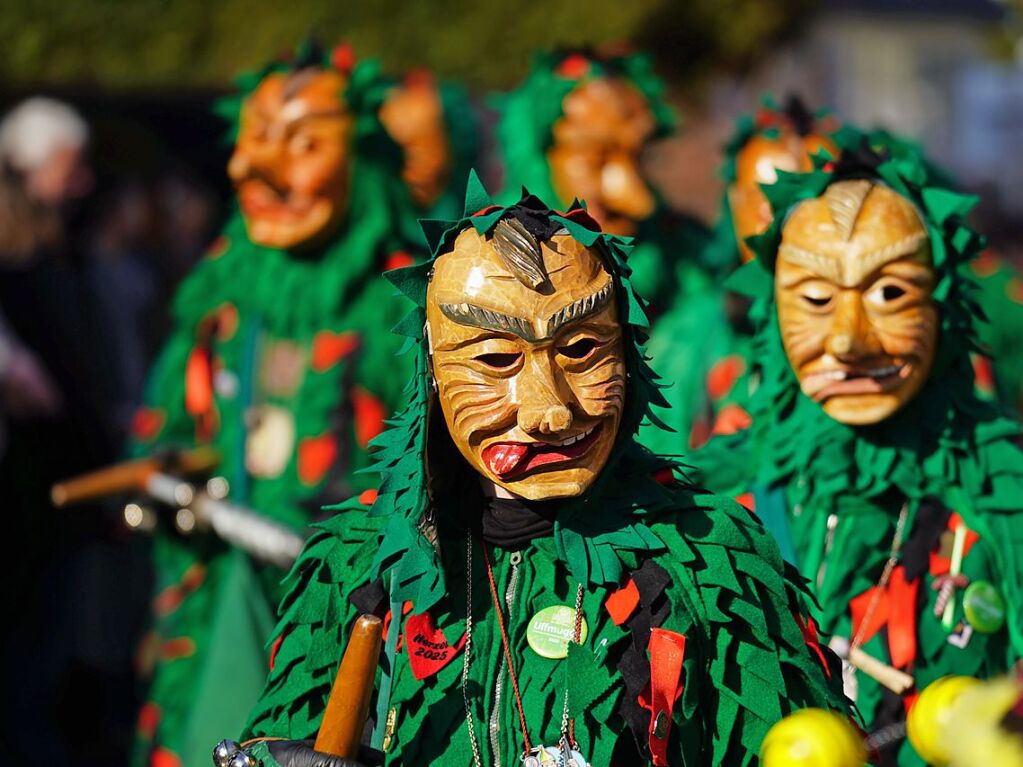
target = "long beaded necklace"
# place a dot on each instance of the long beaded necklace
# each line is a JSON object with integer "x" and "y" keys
{"x": 566, "y": 753}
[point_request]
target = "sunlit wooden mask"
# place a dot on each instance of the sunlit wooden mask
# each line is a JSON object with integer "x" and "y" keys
{"x": 413, "y": 115}
{"x": 758, "y": 162}
{"x": 595, "y": 155}
{"x": 291, "y": 162}
{"x": 528, "y": 359}
{"x": 853, "y": 285}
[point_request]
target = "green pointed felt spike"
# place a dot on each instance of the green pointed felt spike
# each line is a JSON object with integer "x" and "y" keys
{"x": 476, "y": 195}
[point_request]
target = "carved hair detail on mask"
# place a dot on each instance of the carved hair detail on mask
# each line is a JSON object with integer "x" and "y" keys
{"x": 845, "y": 202}
{"x": 521, "y": 253}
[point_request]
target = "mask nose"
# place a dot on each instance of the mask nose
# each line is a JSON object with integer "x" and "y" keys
{"x": 852, "y": 337}
{"x": 542, "y": 409}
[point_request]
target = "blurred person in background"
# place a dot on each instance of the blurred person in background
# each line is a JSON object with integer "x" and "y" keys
{"x": 67, "y": 659}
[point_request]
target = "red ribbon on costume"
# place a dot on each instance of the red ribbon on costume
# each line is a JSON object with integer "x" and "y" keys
{"x": 896, "y": 607}
{"x": 667, "y": 651}
{"x": 428, "y": 650}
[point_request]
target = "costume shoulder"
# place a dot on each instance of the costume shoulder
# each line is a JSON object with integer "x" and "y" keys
{"x": 761, "y": 657}
{"x": 316, "y": 615}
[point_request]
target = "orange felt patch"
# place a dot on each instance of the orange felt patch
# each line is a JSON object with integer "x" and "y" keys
{"x": 170, "y": 599}
{"x": 147, "y": 423}
{"x": 330, "y": 348}
{"x": 398, "y": 260}
{"x": 724, "y": 374}
{"x": 369, "y": 415}
{"x": 574, "y": 66}
{"x": 368, "y": 497}
{"x": 163, "y": 757}
{"x": 623, "y": 603}
{"x": 732, "y": 419}
{"x": 199, "y": 382}
{"x": 226, "y": 321}
{"x": 1014, "y": 289}
{"x": 700, "y": 433}
{"x": 149, "y": 718}
{"x": 983, "y": 374}
{"x": 986, "y": 264}
{"x": 177, "y": 648}
{"x": 315, "y": 457}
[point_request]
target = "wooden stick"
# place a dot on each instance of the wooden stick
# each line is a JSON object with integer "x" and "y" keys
{"x": 348, "y": 707}
{"x": 131, "y": 476}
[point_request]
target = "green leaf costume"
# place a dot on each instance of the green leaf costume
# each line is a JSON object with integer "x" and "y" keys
{"x": 668, "y": 264}
{"x": 832, "y": 493}
{"x": 748, "y": 660}
{"x": 264, "y": 336}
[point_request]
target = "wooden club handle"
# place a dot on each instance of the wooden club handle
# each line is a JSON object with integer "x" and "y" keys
{"x": 348, "y": 707}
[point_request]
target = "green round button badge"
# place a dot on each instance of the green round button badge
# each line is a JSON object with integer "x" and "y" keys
{"x": 984, "y": 607}
{"x": 551, "y": 629}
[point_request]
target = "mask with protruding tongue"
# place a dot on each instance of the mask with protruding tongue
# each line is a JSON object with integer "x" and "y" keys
{"x": 504, "y": 457}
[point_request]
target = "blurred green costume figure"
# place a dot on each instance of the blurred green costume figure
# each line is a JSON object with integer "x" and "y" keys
{"x": 887, "y": 481}
{"x": 282, "y": 359}
{"x": 608, "y": 557}
{"x": 576, "y": 129}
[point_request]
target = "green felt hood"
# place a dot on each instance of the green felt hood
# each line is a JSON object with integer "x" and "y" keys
{"x": 587, "y": 533}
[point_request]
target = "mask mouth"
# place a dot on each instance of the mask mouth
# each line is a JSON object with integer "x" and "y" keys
{"x": 851, "y": 380}
{"x": 508, "y": 460}
{"x": 261, "y": 200}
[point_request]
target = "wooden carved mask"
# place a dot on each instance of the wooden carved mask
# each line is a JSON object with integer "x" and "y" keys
{"x": 291, "y": 162}
{"x": 758, "y": 162}
{"x": 595, "y": 154}
{"x": 528, "y": 359}
{"x": 853, "y": 285}
{"x": 413, "y": 115}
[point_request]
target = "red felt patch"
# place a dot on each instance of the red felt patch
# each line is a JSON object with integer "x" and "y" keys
{"x": 809, "y": 628}
{"x": 582, "y": 217}
{"x": 665, "y": 476}
{"x": 315, "y": 457}
{"x": 369, "y": 415}
{"x": 732, "y": 419}
{"x": 177, "y": 648}
{"x": 398, "y": 260}
{"x": 485, "y": 211}
{"x": 170, "y": 599}
{"x": 896, "y": 607}
{"x": 747, "y": 500}
{"x": 330, "y": 348}
{"x": 1014, "y": 289}
{"x": 983, "y": 374}
{"x": 342, "y": 58}
{"x": 428, "y": 650}
{"x": 147, "y": 423}
{"x": 162, "y": 757}
{"x": 276, "y": 646}
{"x": 368, "y": 497}
{"x": 723, "y": 375}
{"x": 218, "y": 247}
{"x": 623, "y": 603}
{"x": 986, "y": 264}
{"x": 199, "y": 382}
{"x": 700, "y": 432}
{"x": 149, "y": 718}
{"x": 574, "y": 66}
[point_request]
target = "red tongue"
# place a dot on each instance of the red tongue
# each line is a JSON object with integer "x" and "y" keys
{"x": 503, "y": 457}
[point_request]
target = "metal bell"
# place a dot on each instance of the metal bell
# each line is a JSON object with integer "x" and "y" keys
{"x": 242, "y": 759}
{"x": 223, "y": 752}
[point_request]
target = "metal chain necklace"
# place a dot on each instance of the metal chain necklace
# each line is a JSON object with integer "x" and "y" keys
{"x": 566, "y": 754}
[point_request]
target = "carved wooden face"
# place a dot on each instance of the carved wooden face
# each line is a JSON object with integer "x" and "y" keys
{"x": 853, "y": 285}
{"x": 414, "y": 117}
{"x": 758, "y": 162}
{"x": 291, "y": 162}
{"x": 528, "y": 360}
{"x": 595, "y": 156}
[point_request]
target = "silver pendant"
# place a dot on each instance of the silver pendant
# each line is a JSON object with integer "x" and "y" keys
{"x": 554, "y": 756}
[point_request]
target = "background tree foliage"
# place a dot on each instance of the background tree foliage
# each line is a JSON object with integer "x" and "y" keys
{"x": 127, "y": 44}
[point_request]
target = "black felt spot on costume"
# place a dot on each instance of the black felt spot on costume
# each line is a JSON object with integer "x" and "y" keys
{"x": 931, "y": 521}
{"x": 370, "y": 598}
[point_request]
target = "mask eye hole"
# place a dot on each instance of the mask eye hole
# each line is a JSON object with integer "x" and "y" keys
{"x": 892, "y": 292}
{"x": 577, "y": 350}
{"x": 499, "y": 360}
{"x": 818, "y": 302}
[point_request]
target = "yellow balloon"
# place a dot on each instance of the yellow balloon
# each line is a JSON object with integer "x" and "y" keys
{"x": 813, "y": 737}
{"x": 932, "y": 714}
